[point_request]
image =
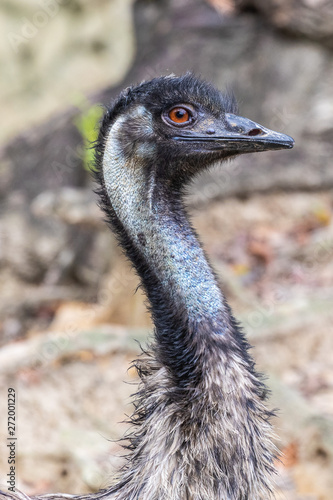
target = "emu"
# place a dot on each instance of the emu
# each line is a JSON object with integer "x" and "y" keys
{"x": 201, "y": 428}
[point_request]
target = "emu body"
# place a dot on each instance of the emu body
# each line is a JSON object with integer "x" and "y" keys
{"x": 201, "y": 427}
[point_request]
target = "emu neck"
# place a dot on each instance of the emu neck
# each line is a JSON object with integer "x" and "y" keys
{"x": 185, "y": 299}
{"x": 161, "y": 235}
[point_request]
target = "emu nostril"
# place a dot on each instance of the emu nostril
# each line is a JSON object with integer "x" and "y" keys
{"x": 255, "y": 131}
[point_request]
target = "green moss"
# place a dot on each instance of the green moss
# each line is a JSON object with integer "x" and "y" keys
{"x": 87, "y": 123}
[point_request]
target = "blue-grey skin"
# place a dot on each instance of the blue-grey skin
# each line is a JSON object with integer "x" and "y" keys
{"x": 176, "y": 255}
{"x": 201, "y": 427}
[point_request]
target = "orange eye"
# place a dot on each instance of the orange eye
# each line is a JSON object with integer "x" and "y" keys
{"x": 179, "y": 115}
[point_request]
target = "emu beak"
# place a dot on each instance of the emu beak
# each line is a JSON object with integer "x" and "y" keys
{"x": 235, "y": 134}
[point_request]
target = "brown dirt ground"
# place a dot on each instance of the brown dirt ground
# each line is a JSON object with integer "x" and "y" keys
{"x": 274, "y": 254}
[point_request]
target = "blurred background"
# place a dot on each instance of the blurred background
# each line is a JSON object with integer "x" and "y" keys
{"x": 69, "y": 314}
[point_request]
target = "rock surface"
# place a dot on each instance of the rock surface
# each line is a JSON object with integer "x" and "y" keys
{"x": 55, "y": 51}
{"x": 272, "y": 76}
{"x": 306, "y": 18}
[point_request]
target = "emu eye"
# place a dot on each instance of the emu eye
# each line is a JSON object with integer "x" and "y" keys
{"x": 179, "y": 115}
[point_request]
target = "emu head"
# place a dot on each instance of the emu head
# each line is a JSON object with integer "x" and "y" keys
{"x": 181, "y": 125}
